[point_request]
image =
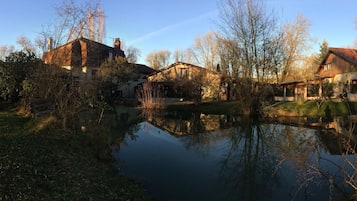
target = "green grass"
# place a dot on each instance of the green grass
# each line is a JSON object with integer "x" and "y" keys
{"x": 307, "y": 108}
{"x": 40, "y": 163}
{"x": 312, "y": 108}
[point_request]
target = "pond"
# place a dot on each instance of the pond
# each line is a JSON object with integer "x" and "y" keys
{"x": 193, "y": 156}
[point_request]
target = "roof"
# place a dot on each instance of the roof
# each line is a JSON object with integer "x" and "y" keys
{"x": 143, "y": 69}
{"x": 186, "y": 64}
{"x": 80, "y": 52}
{"x": 348, "y": 54}
{"x": 85, "y": 40}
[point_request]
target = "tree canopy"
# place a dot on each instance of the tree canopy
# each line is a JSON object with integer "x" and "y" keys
{"x": 16, "y": 68}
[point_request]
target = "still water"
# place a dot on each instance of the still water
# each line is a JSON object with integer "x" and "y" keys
{"x": 217, "y": 157}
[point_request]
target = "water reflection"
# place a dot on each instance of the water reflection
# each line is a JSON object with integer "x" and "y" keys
{"x": 192, "y": 156}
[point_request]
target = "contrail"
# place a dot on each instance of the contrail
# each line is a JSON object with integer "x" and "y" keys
{"x": 173, "y": 26}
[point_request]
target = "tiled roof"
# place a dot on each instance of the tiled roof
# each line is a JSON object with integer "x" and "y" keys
{"x": 347, "y": 54}
{"x": 80, "y": 52}
{"x": 188, "y": 65}
{"x": 143, "y": 69}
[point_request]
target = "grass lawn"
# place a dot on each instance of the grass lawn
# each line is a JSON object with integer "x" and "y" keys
{"x": 37, "y": 163}
{"x": 312, "y": 108}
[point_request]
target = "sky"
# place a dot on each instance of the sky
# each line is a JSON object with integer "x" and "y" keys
{"x": 152, "y": 25}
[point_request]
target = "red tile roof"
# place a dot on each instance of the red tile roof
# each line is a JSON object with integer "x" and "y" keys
{"x": 81, "y": 52}
{"x": 347, "y": 54}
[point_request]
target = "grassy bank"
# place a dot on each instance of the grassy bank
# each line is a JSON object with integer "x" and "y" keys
{"x": 292, "y": 109}
{"x": 311, "y": 108}
{"x": 39, "y": 163}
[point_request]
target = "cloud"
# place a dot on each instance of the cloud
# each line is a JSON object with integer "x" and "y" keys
{"x": 173, "y": 26}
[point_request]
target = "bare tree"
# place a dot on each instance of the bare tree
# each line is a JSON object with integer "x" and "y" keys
{"x": 26, "y": 44}
{"x": 132, "y": 54}
{"x": 186, "y": 55}
{"x": 254, "y": 30}
{"x": 206, "y": 50}
{"x": 75, "y": 20}
{"x": 355, "y": 42}
{"x": 254, "y": 36}
{"x": 5, "y": 51}
{"x": 295, "y": 42}
{"x": 159, "y": 59}
{"x": 229, "y": 56}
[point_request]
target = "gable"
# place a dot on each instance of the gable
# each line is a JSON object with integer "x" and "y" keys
{"x": 180, "y": 71}
{"x": 60, "y": 56}
{"x": 338, "y": 61}
{"x": 79, "y": 52}
{"x": 347, "y": 54}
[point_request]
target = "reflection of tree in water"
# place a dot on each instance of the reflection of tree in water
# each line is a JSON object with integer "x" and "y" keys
{"x": 248, "y": 163}
{"x": 335, "y": 136}
{"x": 257, "y": 154}
{"x": 297, "y": 145}
{"x": 306, "y": 150}
{"x": 345, "y": 131}
{"x": 113, "y": 127}
{"x": 119, "y": 129}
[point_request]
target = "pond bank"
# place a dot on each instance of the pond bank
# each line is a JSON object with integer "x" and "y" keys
{"x": 278, "y": 109}
{"x": 41, "y": 163}
{"x": 325, "y": 109}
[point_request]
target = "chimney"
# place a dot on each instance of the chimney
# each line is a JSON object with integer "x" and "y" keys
{"x": 49, "y": 44}
{"x": 117, "y": 48}
{"x": 117, "y": 43}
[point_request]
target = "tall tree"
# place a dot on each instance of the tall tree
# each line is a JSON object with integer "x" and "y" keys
{"x": 117, "y": 71}
{"x": 253, "y": 29}
{"x": 132, "y": 54}
{"x": 186, "y": 55}
{"x": 14, "y": 71}
{"x": 309, "y": 67}
{"x": 323, "y": 51}
{"x": 159, "y": 59}
{"x": 355, "y": 43}
{"x": 206, "y": 50}
{"x": 26, "y": 44}
{"x": 295, "y": 41}
{"x": 75, "y": 20}
{"x": 229, "y": 57}
{"x": 5, "y": 50}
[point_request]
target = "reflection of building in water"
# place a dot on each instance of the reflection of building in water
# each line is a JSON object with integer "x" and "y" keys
{"x": 192, "y": 124}
{"x": 336, "y": 136}
{"x": 339, "y": 135}
{"x": 344, "y": 124}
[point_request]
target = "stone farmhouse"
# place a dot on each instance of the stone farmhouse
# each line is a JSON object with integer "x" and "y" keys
{"x": 173, "y": 77}
{"x": 82, "y": 58}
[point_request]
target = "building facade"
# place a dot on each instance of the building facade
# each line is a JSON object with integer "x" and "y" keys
{"x": 338, "y": 69}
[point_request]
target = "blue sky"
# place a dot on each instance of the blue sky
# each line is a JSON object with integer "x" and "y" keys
{"x": 152, "y": 25}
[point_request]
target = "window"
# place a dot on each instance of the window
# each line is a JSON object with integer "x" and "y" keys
{"x": 290, "y": 91}
{"x": 313, "y": 90}
{"x": 354, "y": 86}
{"x": 327, "y": 66}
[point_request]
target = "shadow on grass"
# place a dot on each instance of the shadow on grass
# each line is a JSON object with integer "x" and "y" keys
{"x": 42, "y": 163}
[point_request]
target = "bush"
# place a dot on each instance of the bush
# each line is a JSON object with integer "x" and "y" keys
{"x": 14, "y": 71}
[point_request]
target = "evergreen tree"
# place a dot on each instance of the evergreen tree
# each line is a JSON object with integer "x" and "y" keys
{"x": 323, "y": 51}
